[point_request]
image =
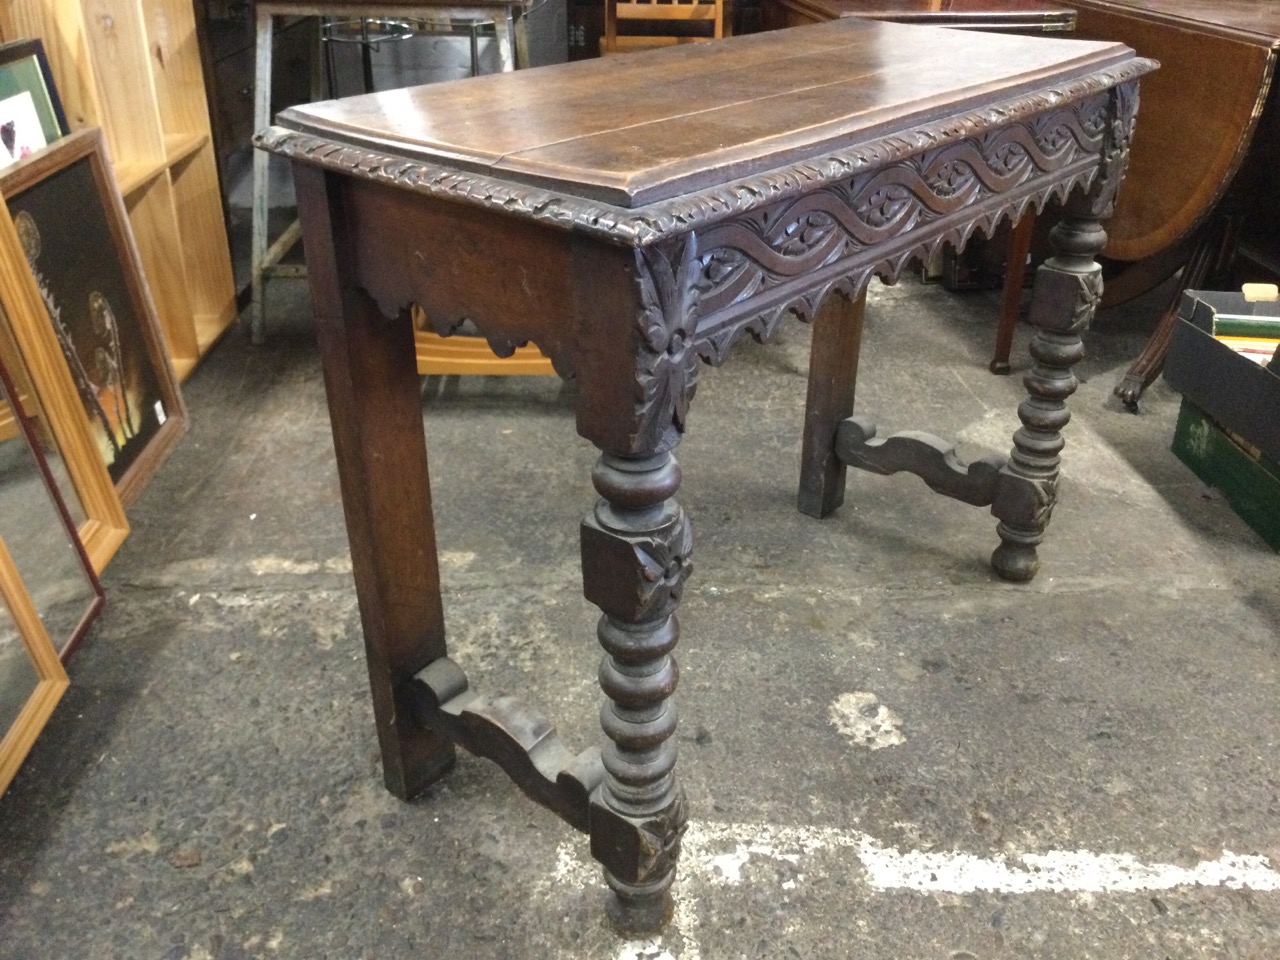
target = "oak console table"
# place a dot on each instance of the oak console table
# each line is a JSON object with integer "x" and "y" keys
{"x": 633, "y": 217}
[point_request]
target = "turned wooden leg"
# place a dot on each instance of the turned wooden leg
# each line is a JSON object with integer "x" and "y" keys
{"x": 1068, "y": 287}
{"x": 833, "y": 375}
{"x": 1210, "y": 261}
{"x": 635, "y": 560}
{"x": 1015, "y": 272}
{"x": 371, "y": 381}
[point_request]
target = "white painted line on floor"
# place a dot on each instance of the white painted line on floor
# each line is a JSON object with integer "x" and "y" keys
{"x": 718, "y": 853}
{"x": 1058, "y": 871}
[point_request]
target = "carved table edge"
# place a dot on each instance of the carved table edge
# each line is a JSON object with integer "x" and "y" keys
{"x": 652, "y": 223}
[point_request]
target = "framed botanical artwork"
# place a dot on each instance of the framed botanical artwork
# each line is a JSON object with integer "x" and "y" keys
{"x": 32, "y": 679}
{"x": 43, "y": 390}
{"x": 76, "y": 238}
{"x": 31, "y": 115}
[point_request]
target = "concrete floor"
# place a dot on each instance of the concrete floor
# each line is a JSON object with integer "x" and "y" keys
{"x": 889, "y": 754}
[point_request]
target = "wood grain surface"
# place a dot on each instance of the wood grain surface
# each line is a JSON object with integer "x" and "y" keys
{"x": 630, "y": 132}
{"x": 1199, "y": 110}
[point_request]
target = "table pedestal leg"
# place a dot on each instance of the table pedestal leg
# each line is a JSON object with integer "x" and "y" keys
{"x": 1068, "y": 287}
{"x": 635, "y": 560}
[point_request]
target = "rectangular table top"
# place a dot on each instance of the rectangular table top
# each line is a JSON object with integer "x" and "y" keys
{"x": 637, "y": 129}
{"x": 992, "y": 14}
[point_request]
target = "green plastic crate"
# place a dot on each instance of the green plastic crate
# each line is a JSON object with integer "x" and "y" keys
{"x": 1249, "y": 480}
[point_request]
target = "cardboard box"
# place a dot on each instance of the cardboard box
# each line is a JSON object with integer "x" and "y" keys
{"x": 1240, "y": 394}
{"x": 1250, "y": 480}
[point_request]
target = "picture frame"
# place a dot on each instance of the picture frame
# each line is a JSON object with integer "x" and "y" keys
{"x": 41, "y": 535}
{"x": 42, "y": 383}
{"x": 75, "y": 235}
{"x": 32, "y": 678}
{"x": 31, "y": 114}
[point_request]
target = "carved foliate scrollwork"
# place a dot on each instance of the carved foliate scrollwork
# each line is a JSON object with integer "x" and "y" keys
{"x": 696, "y": 294}
{"x": 699, "y": 296}
{"x": 793, "y": 240}
{"x": 1115, "y": 157}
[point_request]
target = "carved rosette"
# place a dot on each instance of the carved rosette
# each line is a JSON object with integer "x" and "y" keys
{"x": 667, "y": 362}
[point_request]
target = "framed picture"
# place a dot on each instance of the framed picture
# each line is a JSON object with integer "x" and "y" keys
{"x": 32, "y": 679}
{"x": 31, "y": 114}
{"x": 43, "y": 390}
{"x": 41, "y": 537}
{"x": 76, "y": 238}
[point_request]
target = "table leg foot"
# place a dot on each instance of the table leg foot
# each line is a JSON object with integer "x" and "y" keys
{"x": 1015, "y": 562}
{"x": 635, "y": 560}
{"x": 1208, "y": 266}
{"x": 636, "y": 911}
{"x": 1130, "y": 390}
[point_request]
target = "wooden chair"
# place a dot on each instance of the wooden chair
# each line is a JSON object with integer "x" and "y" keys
{"x": 660, "y": 23}
{"x": 466, "y": 355}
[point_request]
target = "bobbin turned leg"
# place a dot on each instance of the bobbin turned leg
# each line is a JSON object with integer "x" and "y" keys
{"x": 1068, "y": 287}
{"x": 635, "y": 560}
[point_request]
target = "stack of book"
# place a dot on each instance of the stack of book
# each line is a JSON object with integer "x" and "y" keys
{"x": 1253, "y": 332}
{"x": 1228, "y": 429}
